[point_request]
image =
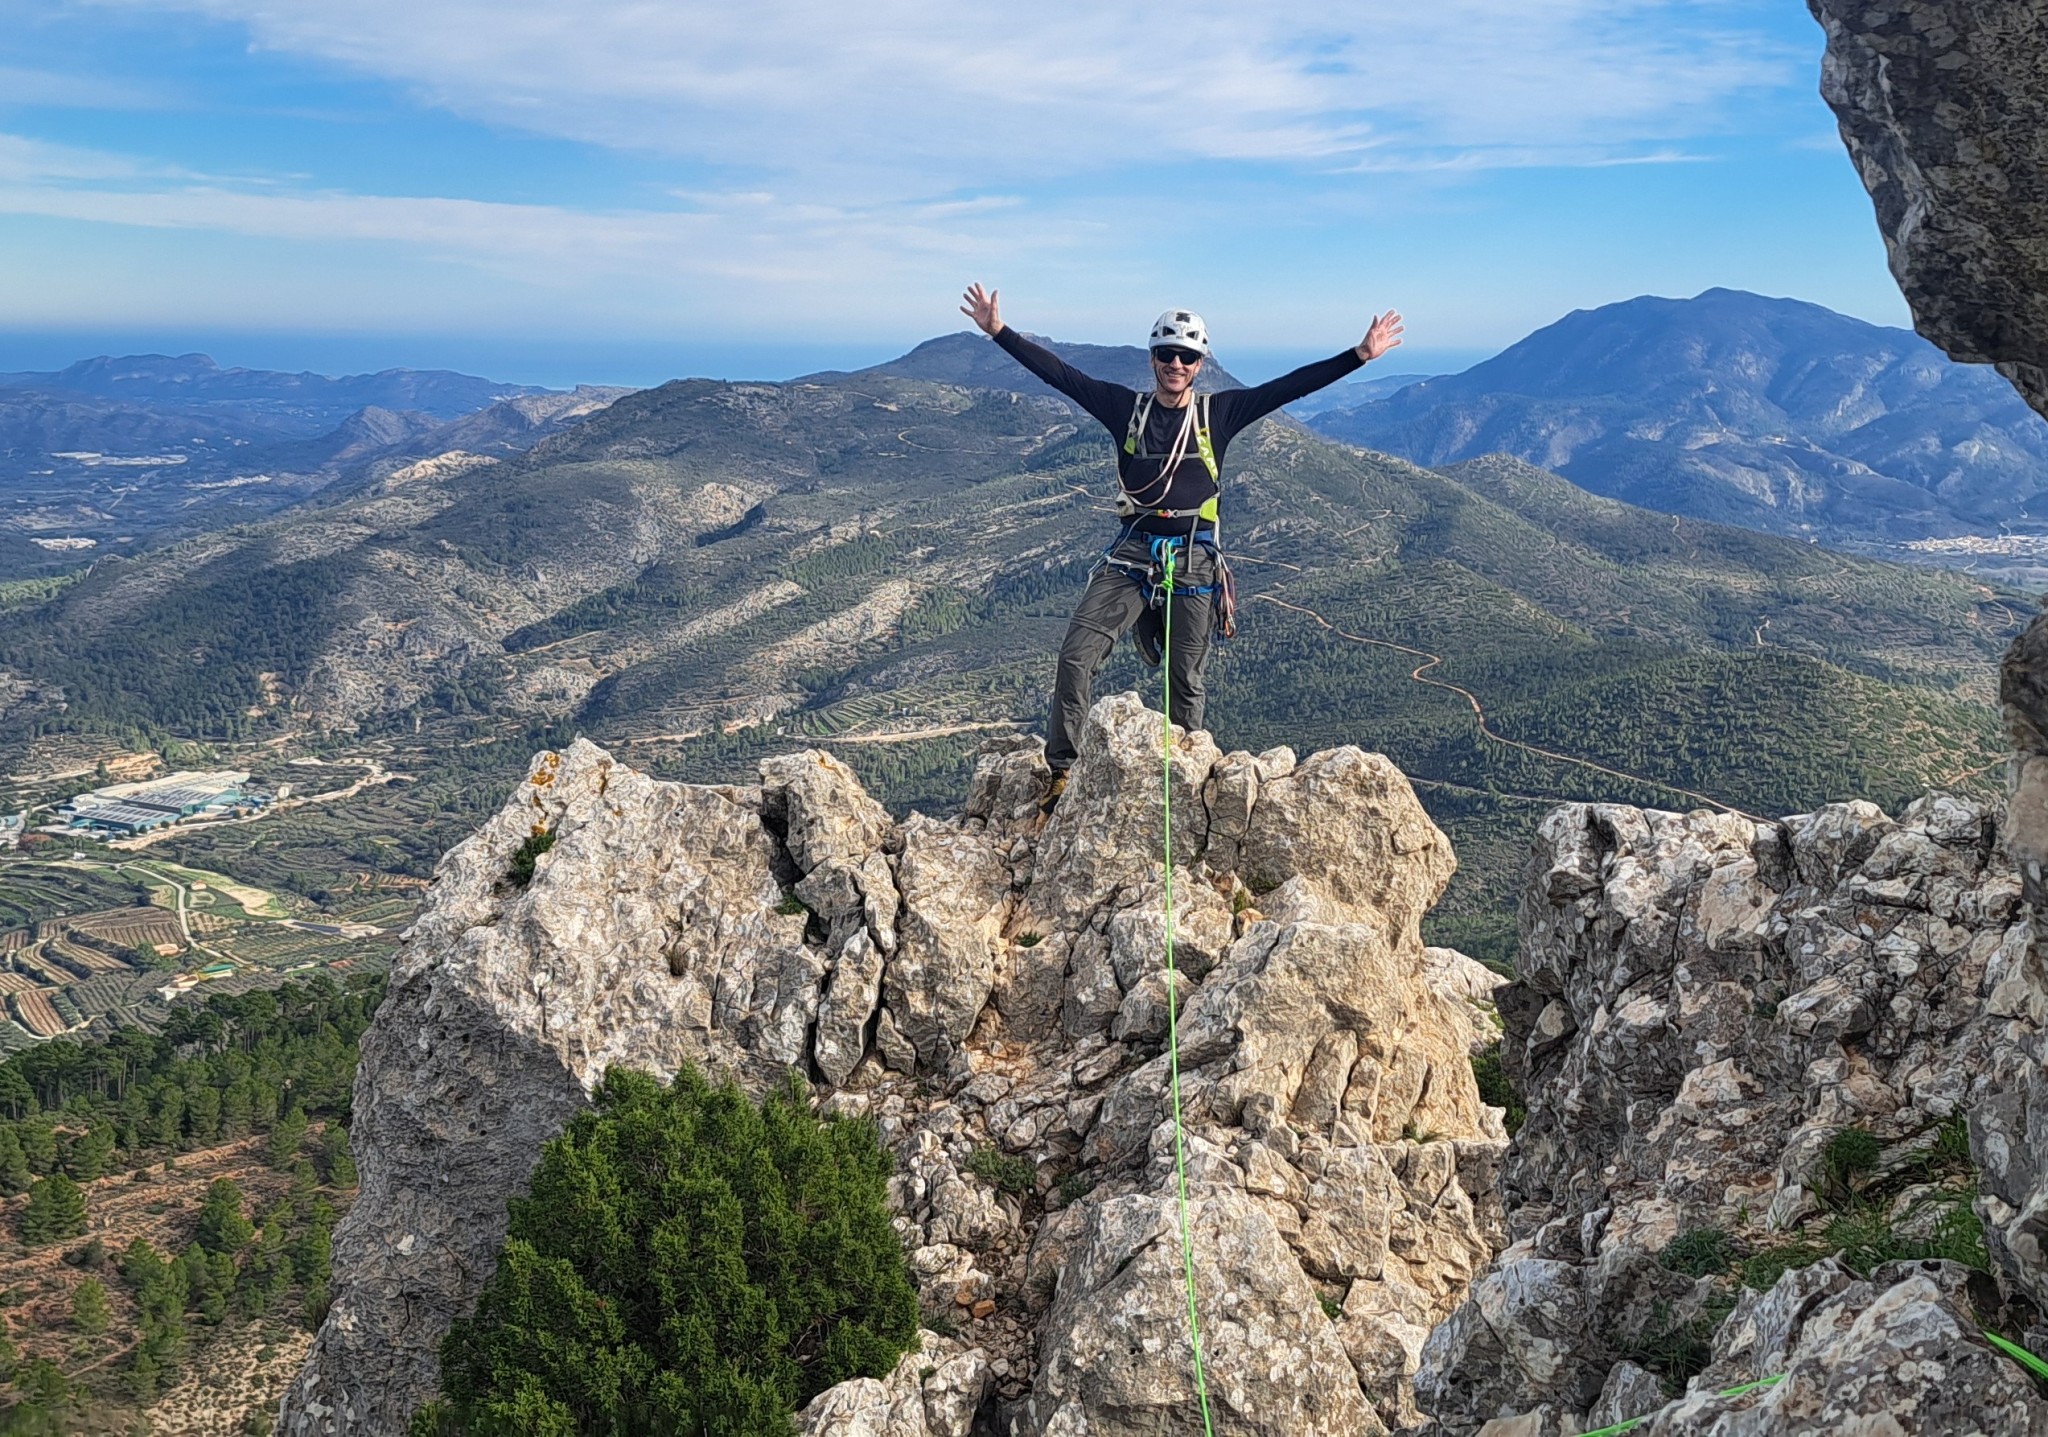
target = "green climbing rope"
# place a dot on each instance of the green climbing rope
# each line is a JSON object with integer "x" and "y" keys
{"x": 1180, "y": 1160}
{"x": 2017, "y": 1353}
{"x": 1634, "y": 1422}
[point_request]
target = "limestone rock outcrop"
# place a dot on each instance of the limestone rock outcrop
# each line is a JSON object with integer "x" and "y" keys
{"x": 1704, "y": 1004}
{"x": 990, "y": 990}
{"x": 1944, "y": 107}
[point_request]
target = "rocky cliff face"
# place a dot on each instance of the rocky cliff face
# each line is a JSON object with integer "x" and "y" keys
{"x": 1944, "y": 107}
{"x": 988, "y": 984}
{"x": 1705, "y": 1004}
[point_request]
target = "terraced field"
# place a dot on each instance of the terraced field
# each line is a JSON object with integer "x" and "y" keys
{"x": 142, "y": 928}
{"x": 76, "y": 962}
{"x": 35, "y": 1011}
{"x": 34, "y": 962}
{"x": 81, "y": 960}
{"x": 32, "y": 890}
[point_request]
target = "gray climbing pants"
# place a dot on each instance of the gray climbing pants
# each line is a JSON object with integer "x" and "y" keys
{"x": 1112, "y": 603}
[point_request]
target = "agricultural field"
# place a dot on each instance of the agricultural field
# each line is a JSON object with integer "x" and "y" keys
{"x": 36, "y": 1013}
{"x": 99, "y": 939}
{"x": 32, "y": 890}
{"x": 144, "y": 928}
{"x": 205, "y": 889}
{"x": 273, "y": 946}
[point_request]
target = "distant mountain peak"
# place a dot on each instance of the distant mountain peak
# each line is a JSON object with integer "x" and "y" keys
{"x": 1771, "y": 413}
{"x": 972, "y": 360}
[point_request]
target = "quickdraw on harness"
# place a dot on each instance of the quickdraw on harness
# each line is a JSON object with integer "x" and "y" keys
{"x": 1203, "y": 520}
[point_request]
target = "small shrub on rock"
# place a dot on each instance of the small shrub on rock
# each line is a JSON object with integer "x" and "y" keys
{"x": 1762, "y": 1268}
{"x": 1699, "y": 1252}
{"x": 1001, "y": 1171}
{"x": 687, "y": 1261}
{"x": 1494, "y": 1088}
{"x": 527, "y": 854}
{"x": 1848, "y": 1160}
{"x": 1677, "y": 1348}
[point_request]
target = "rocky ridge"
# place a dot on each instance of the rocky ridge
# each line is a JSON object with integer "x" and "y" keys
{"x": 986, "y": 987}
{"x": 1705, "y": 1003}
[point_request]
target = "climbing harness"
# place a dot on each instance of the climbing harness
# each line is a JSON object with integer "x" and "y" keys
{"x": 1149, "y": 576}
{"x": 1194, "y": 425}
{"x": 1180, "y": 1160}
{"x": 1204, "y": 520}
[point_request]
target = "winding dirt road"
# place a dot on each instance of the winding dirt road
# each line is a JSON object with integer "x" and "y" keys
{"x": 1420, "y": 674}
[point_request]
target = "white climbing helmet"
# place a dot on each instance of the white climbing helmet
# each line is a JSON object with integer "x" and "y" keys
{"x": 1180, "y": 328}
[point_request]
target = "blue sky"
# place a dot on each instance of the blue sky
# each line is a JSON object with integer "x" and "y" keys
{"x": 622, "y": 191}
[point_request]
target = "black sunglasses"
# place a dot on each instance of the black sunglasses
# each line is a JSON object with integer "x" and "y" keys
{"x": 1167, "y": 354}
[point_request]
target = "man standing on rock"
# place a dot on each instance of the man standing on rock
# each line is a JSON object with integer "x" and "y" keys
{"x": 1169, "y": 471}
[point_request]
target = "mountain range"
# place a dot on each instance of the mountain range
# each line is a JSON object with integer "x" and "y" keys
{"x": 1769, "y": 413}
{"x": 123, "y": 451}
{"x": 289, "y": 405}
{"x": 705, "y": 573}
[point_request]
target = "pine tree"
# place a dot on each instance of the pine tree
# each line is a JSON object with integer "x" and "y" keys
{"x": 160, "y": 1294}
{"x": 686, "y": 1261}
{"x": 286, "y": 1138}
{"x": 222, "y": 1226}
{"x": 89, "y": 1311}
{"x": 92, "y": 1153}
{"x": 56, "y": 1210}
{"x": 202, "y": 1114}
{"x": 38, "y": 1143}
{"x": 340, "y": 1163}
{"x": 142, "y": 1374}
{"x": 14, "y": 1174}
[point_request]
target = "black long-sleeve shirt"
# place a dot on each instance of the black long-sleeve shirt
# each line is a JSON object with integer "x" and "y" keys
{"x": 1231, "y": 412}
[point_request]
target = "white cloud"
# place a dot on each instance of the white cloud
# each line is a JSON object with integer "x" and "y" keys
{"x": 839, "y": 169}
{"x": 719, "y": 255}
{"x": 24, "y": 159}
{"x": 932, "y": 96}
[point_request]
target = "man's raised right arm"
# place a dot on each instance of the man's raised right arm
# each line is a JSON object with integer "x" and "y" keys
{"x": 1108, "y": 403}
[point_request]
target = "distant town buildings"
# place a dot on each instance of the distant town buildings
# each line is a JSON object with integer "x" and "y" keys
{"x": 123, "y": 809}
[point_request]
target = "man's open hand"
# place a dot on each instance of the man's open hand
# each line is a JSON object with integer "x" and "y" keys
{"x": 1384, "y": 335}
{"x": 981, "y": 308}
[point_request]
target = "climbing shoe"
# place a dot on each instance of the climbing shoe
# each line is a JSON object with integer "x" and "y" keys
{"x": 1052, "y": 794}
{"x": 1150, "y": 638}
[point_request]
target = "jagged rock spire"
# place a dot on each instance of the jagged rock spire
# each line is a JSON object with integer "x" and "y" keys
{"x": 983, "y": 983}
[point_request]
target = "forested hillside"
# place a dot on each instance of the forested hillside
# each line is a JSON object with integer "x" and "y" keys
{"x": 169, "y": 1203}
